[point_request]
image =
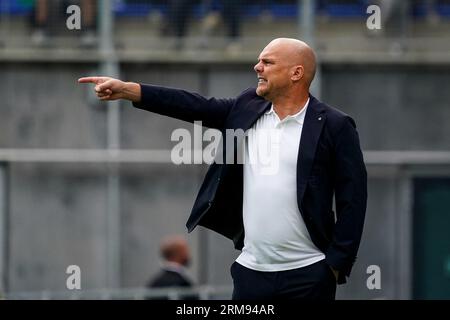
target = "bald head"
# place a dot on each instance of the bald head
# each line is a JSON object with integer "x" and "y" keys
{"x": 285, "y": 70}
{"x": 296, "y": 53}
{"x": 175, "y": 249}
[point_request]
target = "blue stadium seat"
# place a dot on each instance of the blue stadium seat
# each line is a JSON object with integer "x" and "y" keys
{"x": 344, "y": 9}
{"x": 142, "y": 9}
{"x": 278, "y": 8}
{"x": 443, "y": 8}
{"x": 134, "y": 9}
{"x": 289, "y": 9}
{"x": 284, "y": 10}
{"x": 15, "y": 7}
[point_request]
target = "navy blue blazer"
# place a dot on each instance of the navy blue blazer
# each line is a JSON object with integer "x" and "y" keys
{"x": 330, "y": 163}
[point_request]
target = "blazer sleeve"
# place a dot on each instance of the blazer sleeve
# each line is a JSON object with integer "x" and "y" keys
{"x": 351, "y": 200}
{"x": 184, "y": 105}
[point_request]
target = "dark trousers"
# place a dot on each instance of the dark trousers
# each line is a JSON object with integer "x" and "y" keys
{"x": 313, "y": 282}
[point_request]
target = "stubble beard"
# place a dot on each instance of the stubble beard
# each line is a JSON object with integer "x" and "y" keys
{"x": 262, "y": 92}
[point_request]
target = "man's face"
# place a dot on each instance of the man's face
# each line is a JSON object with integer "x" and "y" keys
{"x": 272, "y": 70}
{"x": 185, "y": 256}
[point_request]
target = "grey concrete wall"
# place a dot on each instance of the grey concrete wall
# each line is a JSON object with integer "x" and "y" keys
{"x": 156, "y": 202}
{"x": 396, "y": 108}
{"x": 57, "y": 211}
{"x": 56, "y": 219}
{"x": 58, "y": 215}
{"x": 42, "y": 107}
{"x": 377, "y": 245}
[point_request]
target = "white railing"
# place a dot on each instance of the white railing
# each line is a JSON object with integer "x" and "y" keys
{"x": 172, "y": 293}
{"x": 163, "y": 156}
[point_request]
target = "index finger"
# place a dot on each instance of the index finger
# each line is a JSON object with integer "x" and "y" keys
{"x": 94, "y": 80}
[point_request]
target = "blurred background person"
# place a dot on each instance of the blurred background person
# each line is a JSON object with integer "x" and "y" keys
{"x": 176, "y": 258}
{"x": 178, "y": 15}
{"x": 396, "y": 17}
{"x": 230, "y": 11}
{"x": 212, "y": 13}
{"x": 431, "y": 13}
{"x": 47, "y": 11}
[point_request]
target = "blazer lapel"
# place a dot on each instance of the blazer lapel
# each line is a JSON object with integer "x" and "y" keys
{"x": 312, "y": 127}
{"x": 243, "y": 120}
{"x": 248, "y": 116}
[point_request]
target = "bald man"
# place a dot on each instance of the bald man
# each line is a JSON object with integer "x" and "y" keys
{"x": 276, "y": 208}
{"x": 174, "y": 251}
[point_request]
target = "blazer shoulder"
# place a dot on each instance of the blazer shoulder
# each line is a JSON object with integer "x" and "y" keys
{"x": 336, "y": 118}
{"x": 249, "y": 92}
{"x": 248, "y": 95}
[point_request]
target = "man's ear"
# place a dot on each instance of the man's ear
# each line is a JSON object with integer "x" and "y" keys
{"x": 298, "y": 73}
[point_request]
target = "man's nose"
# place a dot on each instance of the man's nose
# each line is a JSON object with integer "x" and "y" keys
{"x": 257, "y": 67}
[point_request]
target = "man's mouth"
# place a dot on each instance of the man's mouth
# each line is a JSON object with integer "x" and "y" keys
{"x": 261, "y": 80}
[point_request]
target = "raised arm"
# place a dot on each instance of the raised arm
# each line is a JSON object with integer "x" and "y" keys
{"x": 175, "y": 103}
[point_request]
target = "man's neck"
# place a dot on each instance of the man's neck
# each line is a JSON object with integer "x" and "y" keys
{"x": 289, "y": 107}
{"x": 174, "y": 266}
